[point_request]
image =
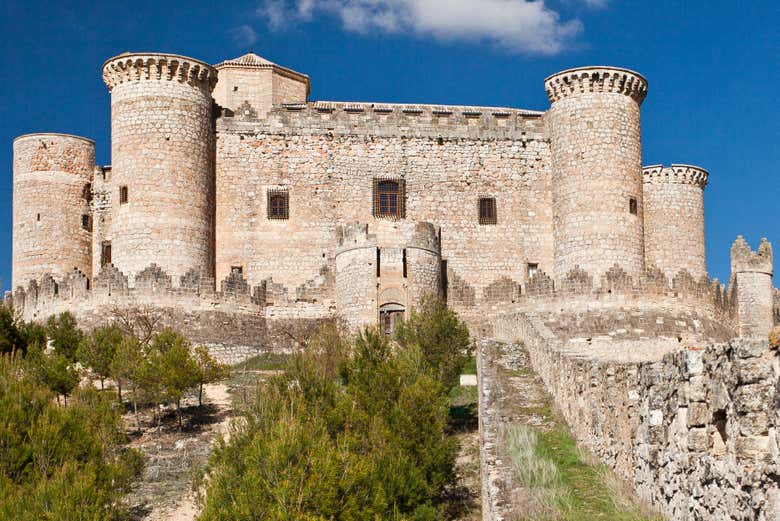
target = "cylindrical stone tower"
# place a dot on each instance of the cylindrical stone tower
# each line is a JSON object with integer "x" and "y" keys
{"x": 162, "y": 152}
{"x": 423, "y": 257}
{"x": 51, "y": 214}
{"x": 597, "y": 169}
{"x": 356, "y": 275}
{"x": 674, "y": 219}
{"x": 751, "y": 272}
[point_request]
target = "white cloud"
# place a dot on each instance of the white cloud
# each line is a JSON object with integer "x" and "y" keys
{"x": 517, "y": 25}
{"x": 244, "y": 35}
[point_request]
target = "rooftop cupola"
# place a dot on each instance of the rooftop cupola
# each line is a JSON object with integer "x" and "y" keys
{"x": 251, "y": 85}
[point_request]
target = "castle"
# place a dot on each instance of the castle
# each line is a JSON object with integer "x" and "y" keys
{"x": 236, "y": 208}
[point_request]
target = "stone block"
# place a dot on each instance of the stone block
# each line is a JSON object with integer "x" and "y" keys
{"x": 698, "y": 440}
{"x": 752, "y": 447}
{"x": 698, "y": 414}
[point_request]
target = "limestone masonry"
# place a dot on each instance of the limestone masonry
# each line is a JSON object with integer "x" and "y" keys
{"x": 238, "y": 210}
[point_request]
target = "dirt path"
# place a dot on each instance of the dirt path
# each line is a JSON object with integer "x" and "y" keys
{"x": 164, "y": 492}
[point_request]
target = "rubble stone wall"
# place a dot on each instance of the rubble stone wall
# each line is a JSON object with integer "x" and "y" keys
{"x": 691, "y": 427}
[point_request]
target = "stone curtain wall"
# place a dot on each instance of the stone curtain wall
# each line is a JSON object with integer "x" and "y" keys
{"x": 693, "y": 429}
{"x": 328, "y": 154}
{"x": 51, "y": 177}
{"x": 235, "y": 322}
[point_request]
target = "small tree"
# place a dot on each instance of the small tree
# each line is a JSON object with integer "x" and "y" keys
{"x": 97, "y": 350}
{"x": 64, "y": 334}
{"x": 125, "y": 369}
{"x": 441, "y": 336}
{"x": 10, "y": 338}
{"x": 170, "y": 362}
{"x": 209, "y": 370}
{"x": 53, "y": 370}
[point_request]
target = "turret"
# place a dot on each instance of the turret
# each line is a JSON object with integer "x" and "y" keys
{"x": 752, "y": 271}
{"x": 250, "y": 85}
{"x": 597, "y": 169}
{"x": 384, "y": 272}
{"x": 674, "y": 219}
{"x": 162, "y": 175}
{"x": 51, "y": 216}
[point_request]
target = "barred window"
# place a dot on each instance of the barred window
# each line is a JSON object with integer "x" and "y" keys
{"x": 278, "y": 204}
{"x": 389, "y": 198}
{"x": 487, "y": 210}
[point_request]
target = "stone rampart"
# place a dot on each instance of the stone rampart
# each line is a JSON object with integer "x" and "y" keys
{"x": 234, "y": 322}
{"x": 692, "y": 427}
{"x": 579, "y": 291}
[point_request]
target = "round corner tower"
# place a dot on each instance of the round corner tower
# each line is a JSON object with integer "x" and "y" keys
{"x": 595, "y": 137}
{"x": 163, "y": 153}
{"x": 674, "y": 219}
{"x": 51, "y": 213}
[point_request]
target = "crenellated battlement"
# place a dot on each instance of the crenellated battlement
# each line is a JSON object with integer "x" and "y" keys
{"x": 675, "y": 174}
{"x": 388, "y": 120}
{"x": 744, "y": 259}
{"x": 132, "y": 67}
{"x": 588, "y": 80}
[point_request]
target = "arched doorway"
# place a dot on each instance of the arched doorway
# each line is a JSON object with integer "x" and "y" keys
{"x": 389, "y": 315}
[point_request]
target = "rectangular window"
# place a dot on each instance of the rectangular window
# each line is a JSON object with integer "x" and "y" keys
{"x": 487, "y": 210}
{"x": 122, "y": 195}
{"x": 404, "y": 262}
{"x": 86, "y": 222}
{"x": 238, "y": 270}
{"x": 278, "y": 202}
{"x": 533, "y": 269}
{"x": 389, "y": 197}
{"x": 378, "y": 262}
{"x": 632, "y": 205}
{"x": 105, "y": 254}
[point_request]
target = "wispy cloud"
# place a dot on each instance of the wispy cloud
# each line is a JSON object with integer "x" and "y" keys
{"x": 244, "y": 35}
{"x": 530, "y": 27}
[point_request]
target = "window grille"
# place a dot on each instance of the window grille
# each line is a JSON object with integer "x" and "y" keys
{"x": 389, "y": 197}
{"x": 487, "y": 210}
{"x": 278, "y": 204}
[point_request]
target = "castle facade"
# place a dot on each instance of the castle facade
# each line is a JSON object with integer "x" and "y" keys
{"x": 226, "y": 180}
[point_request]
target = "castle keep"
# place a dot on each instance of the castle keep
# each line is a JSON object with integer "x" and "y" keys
{"x": 237, "y": 210}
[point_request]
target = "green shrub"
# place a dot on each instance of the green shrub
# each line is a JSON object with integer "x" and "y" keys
{"x": 355, "y": 429}
{"x": 56, "y": 462}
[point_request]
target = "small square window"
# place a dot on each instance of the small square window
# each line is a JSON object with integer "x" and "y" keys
{"x": 122, "y": 195}
{"x": 86, "y": 222}
{"x": 278, "y": 204}
{"x": 533, "y": 269}
{"x": 237, "y": 270}
{"x": 632, "y": 206}
{"x": 487, "y": 210}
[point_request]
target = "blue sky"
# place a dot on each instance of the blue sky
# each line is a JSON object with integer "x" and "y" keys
{"x": 713, "y": 68}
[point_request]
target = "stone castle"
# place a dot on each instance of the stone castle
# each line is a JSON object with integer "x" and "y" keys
{"x": 237, "y": 208}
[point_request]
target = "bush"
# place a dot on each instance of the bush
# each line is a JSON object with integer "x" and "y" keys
{"x": 355, "y": 429}
{"x": 59, "y": 463}
{"x": 440, "y": 334}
